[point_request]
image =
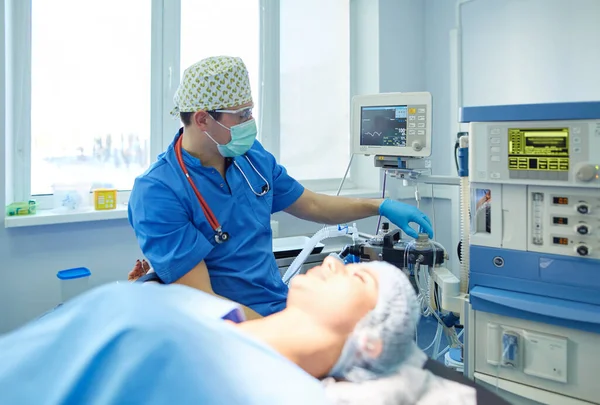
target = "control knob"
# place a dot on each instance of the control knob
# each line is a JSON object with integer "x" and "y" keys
{"x": 582, "y": 229}
{"x": 583, "y": 208}
{"x": 587, "y": 172}
{"x": 582, "y": 249}
{"x": 416, "y": 145}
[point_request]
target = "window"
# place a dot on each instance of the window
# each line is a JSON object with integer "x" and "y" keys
{"x": 90, "y": 93}
{"x": 315, "y": 88}
{"x": 232, "y": 28}
{"x": 90, "y": 84}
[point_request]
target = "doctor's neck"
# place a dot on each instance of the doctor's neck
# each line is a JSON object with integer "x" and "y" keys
{"x": 201, "y": 147}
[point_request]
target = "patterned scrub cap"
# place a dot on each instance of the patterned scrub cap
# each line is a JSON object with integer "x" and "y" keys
{"x": 213, "y": 83}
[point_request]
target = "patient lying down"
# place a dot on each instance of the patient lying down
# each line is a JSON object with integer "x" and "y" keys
{"x": 354, "y": 323}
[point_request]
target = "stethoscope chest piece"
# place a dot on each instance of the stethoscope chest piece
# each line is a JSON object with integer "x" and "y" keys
{"x": 221, "y": 237}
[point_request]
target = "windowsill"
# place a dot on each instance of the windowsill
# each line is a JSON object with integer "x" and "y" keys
{"x": 51, "y": 217}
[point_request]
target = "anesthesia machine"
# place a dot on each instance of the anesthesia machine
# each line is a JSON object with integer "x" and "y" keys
{"x": 533, "y": 330}
{"x": 397, "y": 129}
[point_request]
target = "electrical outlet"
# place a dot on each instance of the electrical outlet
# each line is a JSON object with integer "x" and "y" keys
{"x": 275, "y": 228}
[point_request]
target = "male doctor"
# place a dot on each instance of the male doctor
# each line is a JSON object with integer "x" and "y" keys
{"x": 201, "y": 213}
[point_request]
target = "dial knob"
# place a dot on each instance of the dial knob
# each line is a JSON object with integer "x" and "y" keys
{"x": 582, "y": 250}
{"x": 587, "y": 172}
{"x": 416, "y": 145}
{"x": 583, "y": 208}
{"x": 582, "y": 229}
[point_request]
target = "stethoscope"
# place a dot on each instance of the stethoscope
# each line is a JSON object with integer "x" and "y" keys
{"x": 220, "y": 236}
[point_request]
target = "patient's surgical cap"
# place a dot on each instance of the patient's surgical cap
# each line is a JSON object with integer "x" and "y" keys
{"x": 213, "y": 83}
{"x": 384, "y": 338}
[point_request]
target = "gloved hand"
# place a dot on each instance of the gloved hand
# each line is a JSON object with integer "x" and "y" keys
{"x": 401, "y": 215}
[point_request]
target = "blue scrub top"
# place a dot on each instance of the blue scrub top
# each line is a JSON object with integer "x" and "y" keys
{"x": 175, "y": 236}
{"x": 145, "y": 344}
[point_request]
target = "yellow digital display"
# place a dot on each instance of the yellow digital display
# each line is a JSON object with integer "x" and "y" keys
{"x": 544, "y": 149}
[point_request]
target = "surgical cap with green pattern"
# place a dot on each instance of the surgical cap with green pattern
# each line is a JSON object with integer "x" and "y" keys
{"x": 214, "y": 83}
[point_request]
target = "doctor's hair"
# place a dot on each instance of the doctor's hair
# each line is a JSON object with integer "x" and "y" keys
{"x": 186, "y": 117}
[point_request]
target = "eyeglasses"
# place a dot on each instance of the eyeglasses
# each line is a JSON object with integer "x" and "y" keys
{"x": 245, "y": 112}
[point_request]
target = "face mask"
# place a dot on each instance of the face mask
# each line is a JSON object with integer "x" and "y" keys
{"x": 242, "y": 139}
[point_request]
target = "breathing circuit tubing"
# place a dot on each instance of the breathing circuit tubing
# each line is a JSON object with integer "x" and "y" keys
{"x": 325, "y": 233}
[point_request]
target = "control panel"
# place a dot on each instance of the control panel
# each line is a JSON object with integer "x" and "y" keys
{"x": 565, "y": 153}
{"x": 564, "y": 221}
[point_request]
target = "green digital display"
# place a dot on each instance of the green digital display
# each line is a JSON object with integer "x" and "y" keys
{"x": 545, "y": 149}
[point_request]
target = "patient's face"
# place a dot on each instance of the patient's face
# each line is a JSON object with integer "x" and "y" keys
{"x": 335, "y": 295}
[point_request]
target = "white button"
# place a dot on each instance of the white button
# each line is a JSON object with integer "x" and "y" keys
{"x": 494, "y": 175}
{"x": 421, "y": 118}
{"x": 495, "y": 140}
{"x": 421, "y": 111}
{"x": 495, "y": 149}
{"x": 577, "y": 150}
{"x": 421, "y": 132}
{"x": 412, "y": 131}
{"x": 421, "y": 125}
{"x": 576, "y": 140}
{"x": 495, "y": 158}
{"x": 495, "y": 131}
{"x": 411, "y": 125}
{"x": 411, "y": 118}
{"x": 576, "y": 130}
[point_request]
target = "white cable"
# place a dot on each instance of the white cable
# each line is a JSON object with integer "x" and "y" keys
{"x": 448, "y": 347}
{"x": 433, "y": 209}
{"x": 417, "y": 195}
{"x": 438, "y": 335}
{"x": 345, "y": 175}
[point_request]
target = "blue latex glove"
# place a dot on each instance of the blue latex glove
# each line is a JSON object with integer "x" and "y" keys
{"x": 402, "y": 215}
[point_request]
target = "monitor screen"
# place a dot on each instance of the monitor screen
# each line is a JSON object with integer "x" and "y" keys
{"x": 383, "y": 125}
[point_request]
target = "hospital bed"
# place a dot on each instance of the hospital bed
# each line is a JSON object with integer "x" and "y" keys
{"x": 484, "y": 396}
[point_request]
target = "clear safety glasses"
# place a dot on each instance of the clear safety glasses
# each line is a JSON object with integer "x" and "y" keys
{"x": 245, "y": 113}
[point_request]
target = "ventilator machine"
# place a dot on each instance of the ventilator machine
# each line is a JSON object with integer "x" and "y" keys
{"x": 533, "y": 331}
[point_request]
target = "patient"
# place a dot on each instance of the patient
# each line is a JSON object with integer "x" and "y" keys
{"x": 100, "y": 348}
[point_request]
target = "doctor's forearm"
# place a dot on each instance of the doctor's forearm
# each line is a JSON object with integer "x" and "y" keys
{"x": 336, "y": 210}
{"x": 199, "y": 279}
{"x": 342, "y": 209}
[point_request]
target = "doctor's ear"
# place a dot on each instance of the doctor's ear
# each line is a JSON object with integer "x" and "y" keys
{"x": 200, "y": 118}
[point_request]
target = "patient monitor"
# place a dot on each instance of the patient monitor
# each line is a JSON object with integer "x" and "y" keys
{"x": 392, "y": 124}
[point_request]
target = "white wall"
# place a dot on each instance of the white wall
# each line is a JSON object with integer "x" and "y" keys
{"x": 531, "y": 51}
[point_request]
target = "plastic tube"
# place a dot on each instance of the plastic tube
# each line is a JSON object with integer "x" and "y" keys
{"x": 465, "y": 223}
{"x": 438, "y": 335}
{"x": 327, "y": 232}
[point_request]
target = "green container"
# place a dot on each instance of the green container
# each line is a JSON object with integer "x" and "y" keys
{"x": 21, "y": 208}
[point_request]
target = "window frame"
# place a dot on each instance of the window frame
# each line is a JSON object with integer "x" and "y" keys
{"x": 269, "y": 95}
{"x": 165, "y": 77}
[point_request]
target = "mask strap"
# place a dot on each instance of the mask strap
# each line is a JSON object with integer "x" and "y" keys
{"x": 211, "y": 138}
{"x": 229, "y": 129}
